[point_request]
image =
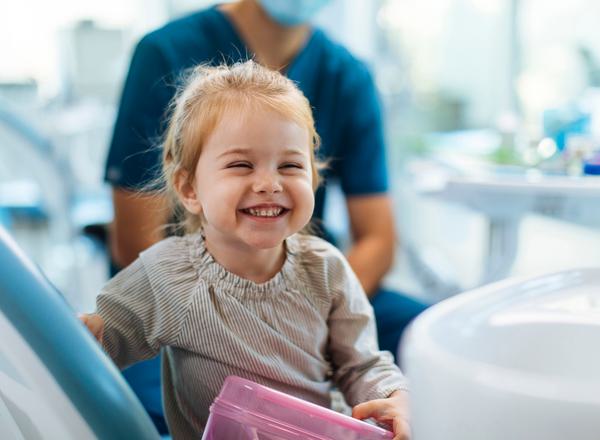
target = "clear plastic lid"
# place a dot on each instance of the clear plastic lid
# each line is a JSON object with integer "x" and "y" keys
{"x": 255, "y": 404}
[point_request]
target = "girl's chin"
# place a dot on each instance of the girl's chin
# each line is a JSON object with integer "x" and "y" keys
{"x": 264, "y": 240}
{"x": 265, "y": 244}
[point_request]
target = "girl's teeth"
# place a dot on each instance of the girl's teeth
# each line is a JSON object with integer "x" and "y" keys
{"x": 265, "y": 212}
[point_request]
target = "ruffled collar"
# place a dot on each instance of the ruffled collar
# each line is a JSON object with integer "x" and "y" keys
{"x": 214, "y": 273}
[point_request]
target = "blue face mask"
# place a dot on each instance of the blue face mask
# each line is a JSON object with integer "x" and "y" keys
{"x": 292, "y": 12}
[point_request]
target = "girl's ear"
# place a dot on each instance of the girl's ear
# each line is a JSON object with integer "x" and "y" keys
{"x": 186, "y": 192}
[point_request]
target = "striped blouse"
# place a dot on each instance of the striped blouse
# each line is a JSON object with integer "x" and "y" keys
{"x": 307, "y": 328}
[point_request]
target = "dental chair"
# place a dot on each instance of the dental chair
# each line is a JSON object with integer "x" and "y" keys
{"x": 55, "y": 380}
{"x": 517, "y": 359}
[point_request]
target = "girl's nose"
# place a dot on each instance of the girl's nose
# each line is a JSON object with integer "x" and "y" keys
{"x": 267, "y": 183}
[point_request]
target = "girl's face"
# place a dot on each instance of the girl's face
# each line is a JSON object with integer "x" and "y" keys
{"x": 253, "y": 180}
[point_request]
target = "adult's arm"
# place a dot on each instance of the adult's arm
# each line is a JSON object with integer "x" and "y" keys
{"x": 138, "y": 223}
{"x": 134, "y": 156}
{"x": 374, "y": 238}
{"x": 364, "y": 180}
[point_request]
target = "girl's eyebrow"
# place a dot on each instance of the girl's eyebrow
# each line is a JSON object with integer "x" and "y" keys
{"x": 236, "y": 150}
{"x": 294, "y": 152}
{"x": 245, "y": 150}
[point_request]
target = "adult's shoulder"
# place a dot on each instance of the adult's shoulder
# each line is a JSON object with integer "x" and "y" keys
{"x": 188, "y": 39}
{"x": 337, "y": 60}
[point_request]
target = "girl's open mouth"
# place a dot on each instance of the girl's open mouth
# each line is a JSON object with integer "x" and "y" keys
{"x": 265, "y": 213}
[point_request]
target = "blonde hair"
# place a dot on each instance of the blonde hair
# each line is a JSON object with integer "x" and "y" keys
{"x": 200, "y": 104}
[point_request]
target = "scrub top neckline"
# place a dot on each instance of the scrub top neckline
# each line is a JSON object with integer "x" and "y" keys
{"x": 238, "y": 41}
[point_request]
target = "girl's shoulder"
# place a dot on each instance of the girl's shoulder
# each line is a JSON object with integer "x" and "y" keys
{"x": 317, "y": 256}
{"x": 170, "y": 249}
{"x": 324, "y": 271}
{"x": 174, "y": 259}
{"x": 311, "y": 246}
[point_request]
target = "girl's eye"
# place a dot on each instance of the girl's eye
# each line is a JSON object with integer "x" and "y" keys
{"x": 291, "y": 165}
{"x": 239, "y": 165}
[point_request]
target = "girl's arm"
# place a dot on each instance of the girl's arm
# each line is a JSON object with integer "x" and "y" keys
{"x": 361, "y": 370}
{"x": 369, "y": 379}
{"x": 129, "y": 318}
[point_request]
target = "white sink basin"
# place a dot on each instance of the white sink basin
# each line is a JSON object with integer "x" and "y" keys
{"x": 518, "y": 359}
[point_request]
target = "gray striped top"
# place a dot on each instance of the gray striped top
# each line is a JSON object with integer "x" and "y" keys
{"x": 308, "y": 327}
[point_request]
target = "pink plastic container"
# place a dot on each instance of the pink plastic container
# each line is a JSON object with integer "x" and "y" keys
{"x": 245, "y": 410}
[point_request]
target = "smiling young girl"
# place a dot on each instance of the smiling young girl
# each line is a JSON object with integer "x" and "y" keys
{"x": 243, "y": 292}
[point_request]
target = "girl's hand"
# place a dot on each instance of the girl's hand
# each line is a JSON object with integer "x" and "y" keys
{"x": 95, "y": 325}
{"x": 392, "y": 412}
